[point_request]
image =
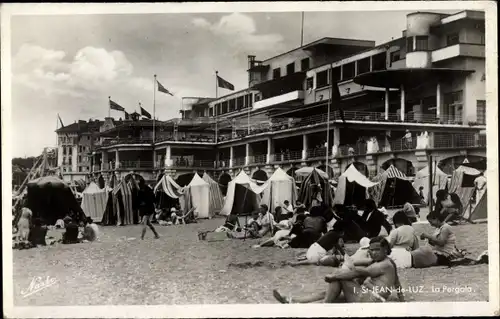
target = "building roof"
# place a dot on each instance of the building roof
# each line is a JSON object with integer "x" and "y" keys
{"x": 81, "y": 127}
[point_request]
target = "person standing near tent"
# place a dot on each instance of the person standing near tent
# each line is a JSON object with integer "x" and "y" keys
{"x": 146, "y": 199}
{"x": 407, "y": 139}
{"x": 480, "y": 185}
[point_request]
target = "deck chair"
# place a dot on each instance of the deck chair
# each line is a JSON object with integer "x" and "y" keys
{"x": 181, "y": 219}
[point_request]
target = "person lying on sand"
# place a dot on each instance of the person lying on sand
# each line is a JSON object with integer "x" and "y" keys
{"x": 331, "y": 241}
{"x": 379, "y": 280}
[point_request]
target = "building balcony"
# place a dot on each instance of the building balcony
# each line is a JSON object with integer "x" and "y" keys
{"x": 124, "y": 141}
{"x": 280, "y": 99}
{"x": 194, "y": 164}
{"x": 461, "y": 49}
{"x": 399, "y": 64}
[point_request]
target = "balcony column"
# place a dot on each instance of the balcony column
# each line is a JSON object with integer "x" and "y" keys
{"x": 438, "y": 100}
{"x": 270, "y": 147}
{"x": 386, "y": 100}
{"x": 168, "y": 156}
{"x": 117, "y": 159}
{"x": 104, "y": 160}
{"x": 402, "y": 103}
{"x": 248, "y": 154}
{"x": 154, "y": 159}
{"x": 231, "y": 156}
{"x": 304, "y": 147}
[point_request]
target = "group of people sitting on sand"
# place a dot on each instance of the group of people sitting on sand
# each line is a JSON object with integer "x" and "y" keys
{"x": 370, "y": 274}
{"x": 32, "y": 232}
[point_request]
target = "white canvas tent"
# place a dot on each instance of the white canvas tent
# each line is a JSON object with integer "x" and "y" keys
{"x": 439, "y": 181}
{"x": 352, "y": 187}
{"x": 197, "y": 194}
{"x": 281, "y": 187}
{"x": 94, "y": 201}
{"x": 243, "y": 195}
{"x": 216, "y": 198}
{"x": 462, "y": 183}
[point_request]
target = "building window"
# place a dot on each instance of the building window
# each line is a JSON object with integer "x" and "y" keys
{"x": 250, "y": 100}
{"x": 409, "y": 44}
{"x": 453, "y": 103}
{"x": 211, "y": 111}
{"x": 232, "y": 105}
{"x": 422, "y": 43}
{"x": 304, "y": 64}
{"x": 364, "y": 65}
{"x": 395, "y": 56}
{"x": 290, "y": 69}
{"x": 452, "y": 39}
{"x": 336, "y": 74}
{"x": 240, "y": 102}
{"x": 481, "y": 111}
{"x": 348, "y": 71}
{"x": 379, "y": 61}
{"x": 322, "y": 79}
{"x": 309, "y": 83}
{"x": 80, "y": 169}
{"x": 224, "y": 107}
{"x": 276, "y": 73}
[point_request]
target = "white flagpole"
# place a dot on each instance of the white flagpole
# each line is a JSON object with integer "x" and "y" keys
{"x": 215, "y": 106}
{"x": 302, "y": 30}
{"x": 154, "y": 108}
{"x": 328, "y": 122}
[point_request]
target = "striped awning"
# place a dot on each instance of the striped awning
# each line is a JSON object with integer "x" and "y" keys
{"x": 393, "y": 172}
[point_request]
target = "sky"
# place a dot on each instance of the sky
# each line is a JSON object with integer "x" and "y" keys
{"x": 70, "y": 64}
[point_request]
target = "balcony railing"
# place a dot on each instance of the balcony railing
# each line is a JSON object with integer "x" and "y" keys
{"x": 238, "y": 161}
{"x": 320, "y": 119}
{"x": 287, "y": 156}
{"x": 117, "y": 141}
{"x": 258, "y": 159}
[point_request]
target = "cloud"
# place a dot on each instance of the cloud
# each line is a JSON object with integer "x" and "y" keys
{"x": 90, "y": 70}
{"x": 240, "y": 30}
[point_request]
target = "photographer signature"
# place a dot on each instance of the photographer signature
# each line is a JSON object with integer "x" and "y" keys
{"x": 37, "y": 284}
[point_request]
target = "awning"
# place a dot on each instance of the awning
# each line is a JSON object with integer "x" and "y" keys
{"x": 408, "y": 77}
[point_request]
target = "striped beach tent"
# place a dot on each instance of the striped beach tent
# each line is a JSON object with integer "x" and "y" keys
{"x": 216, "y": 198}
{"x": 122, "y": 203}
{"x": 394, "y": 188}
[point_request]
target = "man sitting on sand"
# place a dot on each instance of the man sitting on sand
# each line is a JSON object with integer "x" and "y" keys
{"x": 37, "y": 233}
{"x": 379, "y": 279}
{"x": 70, "y": 236}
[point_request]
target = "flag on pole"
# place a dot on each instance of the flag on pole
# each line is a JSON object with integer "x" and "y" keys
{"x": 145, "y": 113}
{"x": 162, "y": 89}
{"x": 115, "y": 106}
{"x": 224, "y": 84}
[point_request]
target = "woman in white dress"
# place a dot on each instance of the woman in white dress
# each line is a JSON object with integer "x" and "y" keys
{"x": 402, "y": 240}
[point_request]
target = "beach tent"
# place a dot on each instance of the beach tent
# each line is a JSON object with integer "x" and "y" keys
{"x": 281, "y": 187}
{"x": 479, "y": 211}
{"x": 352, "y": 188}
{"x": 216, "y": 198}
{"x": 50, "y": 199}
{"x": 94, "y": 201}
{"x": 462, "y": 183}
{"x": 122, "y": 203}
{"x": 439, "y": 181}
{"x": 306, "y": 190}
{"x": 169, "y": 187}
{"x": 393, "y": 189}
{"x": 243, "y": 195}
{"x": 197, "y": 194}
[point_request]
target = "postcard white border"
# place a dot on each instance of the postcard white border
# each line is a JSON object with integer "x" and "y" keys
{"x": 260, "y": 310}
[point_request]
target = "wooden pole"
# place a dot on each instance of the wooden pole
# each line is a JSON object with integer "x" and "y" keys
{"x": 431, "y": 183}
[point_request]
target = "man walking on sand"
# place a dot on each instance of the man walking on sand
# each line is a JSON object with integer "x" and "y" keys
{"x": 146, "y": 207}
{"x": 379, "y": 280}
